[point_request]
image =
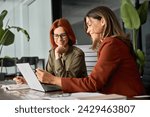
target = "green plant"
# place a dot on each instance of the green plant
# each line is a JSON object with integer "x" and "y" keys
{"x": 6, "y": 35}
{"x": 133, "y": 19}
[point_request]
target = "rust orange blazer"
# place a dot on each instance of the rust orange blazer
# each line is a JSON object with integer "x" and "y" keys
{"x": 115, "y": 72}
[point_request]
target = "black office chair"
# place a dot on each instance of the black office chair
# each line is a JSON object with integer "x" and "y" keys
{"x": 8, "y": 67}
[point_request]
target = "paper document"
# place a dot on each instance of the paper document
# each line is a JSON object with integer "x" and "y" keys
{"x": 15, "y": 86}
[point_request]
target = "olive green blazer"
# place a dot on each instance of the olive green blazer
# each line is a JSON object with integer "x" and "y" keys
{"x": 71, "y": 64}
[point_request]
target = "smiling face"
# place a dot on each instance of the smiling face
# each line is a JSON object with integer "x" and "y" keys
{"x": 60, "y": 37}
{"x": 95, "y": 28}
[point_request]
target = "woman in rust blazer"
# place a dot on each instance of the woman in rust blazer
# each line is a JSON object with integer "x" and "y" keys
{"x": 116, "y": 69}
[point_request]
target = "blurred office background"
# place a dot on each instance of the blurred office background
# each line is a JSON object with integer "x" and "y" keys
{"x": 36, "y": 17}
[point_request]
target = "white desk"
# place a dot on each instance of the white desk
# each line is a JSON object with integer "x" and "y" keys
{"x": 24, "y": 94}
{"x": 29, "y": 94}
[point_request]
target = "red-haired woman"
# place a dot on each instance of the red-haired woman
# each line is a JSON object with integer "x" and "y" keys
{"x": 65, "y": 60}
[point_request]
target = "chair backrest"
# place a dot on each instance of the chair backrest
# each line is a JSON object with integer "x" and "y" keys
{"x": 90, "y": 57}
{"x": 8, "y": 66}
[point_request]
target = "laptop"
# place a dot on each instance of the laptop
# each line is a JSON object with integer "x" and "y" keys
{"x": 32, "y": 79}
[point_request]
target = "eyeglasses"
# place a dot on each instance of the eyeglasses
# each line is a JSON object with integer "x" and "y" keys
{"x": 62, "y": 36}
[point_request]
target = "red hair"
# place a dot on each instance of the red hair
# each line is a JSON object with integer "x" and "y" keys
{"x": 66, "y": 26}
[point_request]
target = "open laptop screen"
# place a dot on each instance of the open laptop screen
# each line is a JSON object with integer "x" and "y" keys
{"x": 32, "y": 79}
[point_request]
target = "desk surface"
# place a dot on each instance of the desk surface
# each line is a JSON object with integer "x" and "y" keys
{"x": 29, "y": 94}
{"x": 23, "y": 94}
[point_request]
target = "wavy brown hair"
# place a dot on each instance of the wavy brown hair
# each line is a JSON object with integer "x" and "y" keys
{"x": 62, "y": 22}
{"x": 112, "y": 27}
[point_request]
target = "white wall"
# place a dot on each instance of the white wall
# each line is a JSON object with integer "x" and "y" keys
{"x": 35, "y": 16}
{"x": 9, "y": 6}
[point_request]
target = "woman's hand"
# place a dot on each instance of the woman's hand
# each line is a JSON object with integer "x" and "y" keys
{"x": 19, "y": 80}
{"x": 46, "y": 77}
{"x": 59, "y": 51}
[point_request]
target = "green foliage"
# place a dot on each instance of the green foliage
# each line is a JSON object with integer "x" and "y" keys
{"x": 133, "y": 18}
{"x": 6, "y": 36}
{"x": 129, "y": 14}
{"x": 140, "y": 60}
{"x": 143, "y": 11}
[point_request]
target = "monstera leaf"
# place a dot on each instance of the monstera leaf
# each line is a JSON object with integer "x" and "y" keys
{"x": 129, "y": 15}
{"x": 140, "y": 60}
{"x": 2, "y": 16}
{"x": 7, "y": 37}
{"x": 133, "y": 18}
{"x": 23, "y": 31}
{"x": 143, "y": 11}
{"x": 140, "y": 56}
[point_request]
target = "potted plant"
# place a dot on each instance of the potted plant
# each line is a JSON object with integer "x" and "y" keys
{"x": 7, "y": 37}
{"x": 133, "y": 19}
